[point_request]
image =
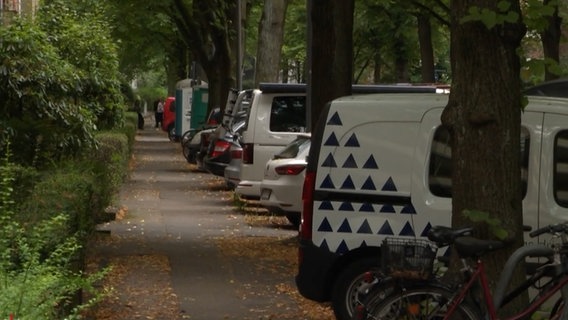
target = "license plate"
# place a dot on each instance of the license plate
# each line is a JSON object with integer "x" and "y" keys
{"x": 265, "y": 194}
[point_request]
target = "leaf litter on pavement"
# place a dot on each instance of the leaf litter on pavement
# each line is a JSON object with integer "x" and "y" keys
{"x": 139, "y": 286}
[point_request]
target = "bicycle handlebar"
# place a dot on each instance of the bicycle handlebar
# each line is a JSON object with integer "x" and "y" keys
{"x": 552, "y": 229}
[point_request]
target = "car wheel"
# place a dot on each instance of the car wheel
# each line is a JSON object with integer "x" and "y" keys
{"x": 344, "y": 292}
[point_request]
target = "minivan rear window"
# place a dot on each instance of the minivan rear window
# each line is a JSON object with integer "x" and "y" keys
{"x": 440, "y": 170}
{"x": 288, "y": 114}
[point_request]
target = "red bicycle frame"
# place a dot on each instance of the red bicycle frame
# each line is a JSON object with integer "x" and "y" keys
{"x": 479, "y": 275}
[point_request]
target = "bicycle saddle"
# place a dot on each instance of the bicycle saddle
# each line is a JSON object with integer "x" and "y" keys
{"x": 469, "y": 247}
{"x": 444, "y": 236}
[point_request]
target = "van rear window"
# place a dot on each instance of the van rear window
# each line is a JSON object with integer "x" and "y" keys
{"x": 561, "y": 168}
{"x": 440, "y": 170}
{"x": 288, "y": 114}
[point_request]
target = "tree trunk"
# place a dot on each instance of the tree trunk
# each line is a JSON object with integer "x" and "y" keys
{"x": 205, "y": 28}
{"x": 426, "y": 50}
{"x": 551, "y": 41}
{"x": 331, "y": 56}
{"x": 377, "y": 67}
{"x": 270, "y": 39}
{"x": 484, "y": 115}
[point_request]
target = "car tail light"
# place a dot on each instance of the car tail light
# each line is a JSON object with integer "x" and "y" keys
{"x": 290, "y": 170}
{"x": 220, "y": 147}
{"x": 237, "y": 154}
{"x": 307, "y": 206}
{"x": 248, "y": 153}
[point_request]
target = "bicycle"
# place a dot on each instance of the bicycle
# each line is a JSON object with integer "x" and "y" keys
{"x": 418, "y": 269}
{"x": 433, "y": 300}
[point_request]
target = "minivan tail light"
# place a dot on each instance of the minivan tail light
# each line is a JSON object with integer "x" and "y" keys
{"x": 307, "y": 206}
{"x": 290, "y": 170}
{"x": 248, "y": 153}
{"x": 220, "y": 147}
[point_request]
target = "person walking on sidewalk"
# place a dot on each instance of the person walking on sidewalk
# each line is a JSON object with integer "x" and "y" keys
{"x": 159, "y": 115}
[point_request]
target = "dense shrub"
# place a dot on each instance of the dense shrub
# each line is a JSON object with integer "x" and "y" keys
{"x": 109, "y": 163}
{"x": 130, "y": 127}
{"x": 41, "y": 245}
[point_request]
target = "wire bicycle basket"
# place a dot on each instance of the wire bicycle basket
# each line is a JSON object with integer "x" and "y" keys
{"x": 408, "y": 258}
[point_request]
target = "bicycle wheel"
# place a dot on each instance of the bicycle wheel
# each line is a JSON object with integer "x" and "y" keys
{"x": 426, "y": 302}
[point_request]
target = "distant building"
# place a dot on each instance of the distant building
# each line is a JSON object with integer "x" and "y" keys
{"x": 12, "y": 8}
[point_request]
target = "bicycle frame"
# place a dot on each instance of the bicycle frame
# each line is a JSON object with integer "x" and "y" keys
{"x": 478, "y": 275}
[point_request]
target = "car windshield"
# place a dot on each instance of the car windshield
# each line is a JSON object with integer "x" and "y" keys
{"x": 294, "y": 148}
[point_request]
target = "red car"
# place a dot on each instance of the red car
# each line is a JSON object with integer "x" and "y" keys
{"x": 169, "y": 120}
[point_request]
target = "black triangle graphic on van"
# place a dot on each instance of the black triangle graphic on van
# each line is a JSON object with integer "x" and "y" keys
{"x": 407, "y": 230}
{"x": 369, "y": 184}
{"x": 389, "y": 185}
{"x": 352, "y": 142}
{"x": 371, "y": 163}
{"x": 325, "y": 226}
{"x": 342, "y": 248}
{"x": 327, "y": 183}
{"x": 344, "y": 227}
{"x": 386, "y": 229}
{"x": 426, "y": 229}
{"x": 329, "y": 162}
{"x": 324, "y": 245}
{"x": 350, "y": 162}
{"x": 348, "y": 184}
{"x": 346, "y": 206}
{"x": 325, "y": 205}
{"x": 335, "y": 120}
{"x": 367, "y": 207}
{"x": 388, "y": 208}
{"x": 408, "y": 209}
{"x": 332, "y": 140}
{"x": 365, "y": 228}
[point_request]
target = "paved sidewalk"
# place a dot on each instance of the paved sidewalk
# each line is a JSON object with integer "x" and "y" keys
{"x": 176, "y": 212}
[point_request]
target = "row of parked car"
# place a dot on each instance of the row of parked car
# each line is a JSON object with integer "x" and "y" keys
{"x": 260, "y": 147}
{"x": 260, "y": 132}
{"x": 378, "y": 167}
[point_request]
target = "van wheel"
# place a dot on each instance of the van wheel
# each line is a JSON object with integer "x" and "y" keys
{"x": 344, "y": 292}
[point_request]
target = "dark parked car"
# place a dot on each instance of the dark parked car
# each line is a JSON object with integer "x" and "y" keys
{"x": 554, "y": 88}
{"x": 218, "y": 154}
{"x": 191, "y": 140}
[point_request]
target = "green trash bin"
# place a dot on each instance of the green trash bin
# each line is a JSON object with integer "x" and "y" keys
{"x": 199, "y": 101}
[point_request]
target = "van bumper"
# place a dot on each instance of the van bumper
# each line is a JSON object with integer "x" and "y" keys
{"x": 313, "y": 275}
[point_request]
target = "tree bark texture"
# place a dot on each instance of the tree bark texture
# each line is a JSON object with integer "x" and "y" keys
{"x": 270, "y": 40}
{"x": 484, "y": 116}
{"x": 426, "y": 50}
{"x": 551, "y": 41}
{"x": 332, "y": 52}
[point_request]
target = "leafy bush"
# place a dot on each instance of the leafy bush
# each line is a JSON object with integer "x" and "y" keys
{"x": 59, "y": 82}
{"x": 66, "y": 191}
{"x": 39, "y": 278}
{"x": 109, "y": 163}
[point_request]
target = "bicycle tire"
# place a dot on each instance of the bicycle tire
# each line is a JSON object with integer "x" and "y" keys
{"x": 425, "y": 302}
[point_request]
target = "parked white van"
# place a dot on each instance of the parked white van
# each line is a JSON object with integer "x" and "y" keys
{"x": 379, "y": 165}
{"x": 277, "y": 114}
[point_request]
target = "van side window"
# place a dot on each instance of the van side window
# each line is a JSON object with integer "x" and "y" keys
{"x": 440, "y": 170}
{"x": 288, "y": 114}
{"x": 561, "y": 168}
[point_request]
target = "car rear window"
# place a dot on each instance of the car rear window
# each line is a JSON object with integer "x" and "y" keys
{"x": 294, "y": 148}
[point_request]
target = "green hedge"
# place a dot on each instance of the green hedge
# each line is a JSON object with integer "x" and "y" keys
{"x": 47, "y": 219}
